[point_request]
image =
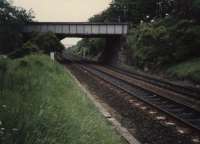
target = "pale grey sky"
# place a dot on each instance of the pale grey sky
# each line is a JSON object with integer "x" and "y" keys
{"x": 64, "y": 10}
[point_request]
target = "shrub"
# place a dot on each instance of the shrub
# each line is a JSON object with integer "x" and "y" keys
{"x": 89, "y": 47}
{"x": 164, "y": 42}
{"x": 47, "y": 42}
{"x": 187, "y": 70}
{"x": 28, "y": 48}
{"x": 151, "y": 45}
{"x": 39, "y": 43}
{"x": 11, "y": 20}
{"x": 186, "y": 36}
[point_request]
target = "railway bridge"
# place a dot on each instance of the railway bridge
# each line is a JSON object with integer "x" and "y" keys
{"x": 79, "y": 29}
{"x": 115, "y": 33}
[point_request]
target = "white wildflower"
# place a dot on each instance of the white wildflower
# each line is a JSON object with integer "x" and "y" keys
{"x": 2, "y": 129}
{"x": 15, "y": 129}
{"x": 152, "y": 21}
{"x": 4, "y": 106}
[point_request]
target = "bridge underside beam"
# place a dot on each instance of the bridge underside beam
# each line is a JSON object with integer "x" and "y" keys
{"x": 62, "y": 36}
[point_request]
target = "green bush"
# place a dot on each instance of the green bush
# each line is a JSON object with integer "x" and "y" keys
{"x": 11, "y": 20}
{"x": 186, "y": 38}
{"x": 164, "y": 42}
{"x": 196, "y": 9}
{"x": 186, "y": 70}
{"x": 150, "y": 45}
{"x": 47, "y": 42}
{"x": 27, "y": 49}
{"x": 89, "y": 47}
{"x": 39, "y": 43}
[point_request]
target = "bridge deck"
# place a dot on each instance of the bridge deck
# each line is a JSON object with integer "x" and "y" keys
{"x": 78, "y": 29}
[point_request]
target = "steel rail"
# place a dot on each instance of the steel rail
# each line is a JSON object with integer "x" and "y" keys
{"x": 180, "y": 112}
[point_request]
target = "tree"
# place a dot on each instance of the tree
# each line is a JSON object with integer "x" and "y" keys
{"x": 183, "y": 8}
{"x": 39, "y": 43}
{"x": 47, "y": 42}
{"x": 11, "y": 20}
{"x": 133, "y": 11}
{"x": 13, "y": 15}
{"x": 196, "y": 9}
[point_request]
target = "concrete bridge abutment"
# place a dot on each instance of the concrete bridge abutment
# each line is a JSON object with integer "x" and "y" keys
{"x": 114, "y": 50}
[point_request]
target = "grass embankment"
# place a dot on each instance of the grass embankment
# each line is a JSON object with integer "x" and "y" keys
{"x": 187, "y": 70}
{"x": 41, "y": 104}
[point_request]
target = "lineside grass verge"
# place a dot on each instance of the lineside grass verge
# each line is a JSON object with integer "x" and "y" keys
{"x": 41, "y": 104}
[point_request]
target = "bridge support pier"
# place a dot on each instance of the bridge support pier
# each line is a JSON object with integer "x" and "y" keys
{"x": 113, "y": 52}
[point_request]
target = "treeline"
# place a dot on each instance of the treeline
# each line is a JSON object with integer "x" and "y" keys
{"x": 15, "y": 44}
{"x": 134, "y": 11}
{"x": 88, "y": 47}
{"x": 11, "y": 19}
{"x": 162, "y": 32}
{"x": 164, "y": 42}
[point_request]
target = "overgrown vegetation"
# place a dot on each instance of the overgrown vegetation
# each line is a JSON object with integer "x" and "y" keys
{"x": 41, "y": 104}
{"x": 11, "y": 20}
{"x": 13, "y": 43}
{"x": 89, "y": 47}
{"x": 186, "y": 70}
{"x": 39, "y": 101}
{"x": 164, "y": 42}
{"x": 161, "y": 33}
{"x": 40, "y": 43}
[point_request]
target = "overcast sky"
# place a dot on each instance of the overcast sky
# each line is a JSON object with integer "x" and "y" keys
{"x": 63, "y": 10}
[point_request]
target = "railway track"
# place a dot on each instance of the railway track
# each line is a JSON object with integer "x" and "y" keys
{"x": 154, "y": 96}
{"x": 178, "y": 94}
{"x": 182, "y": 89}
